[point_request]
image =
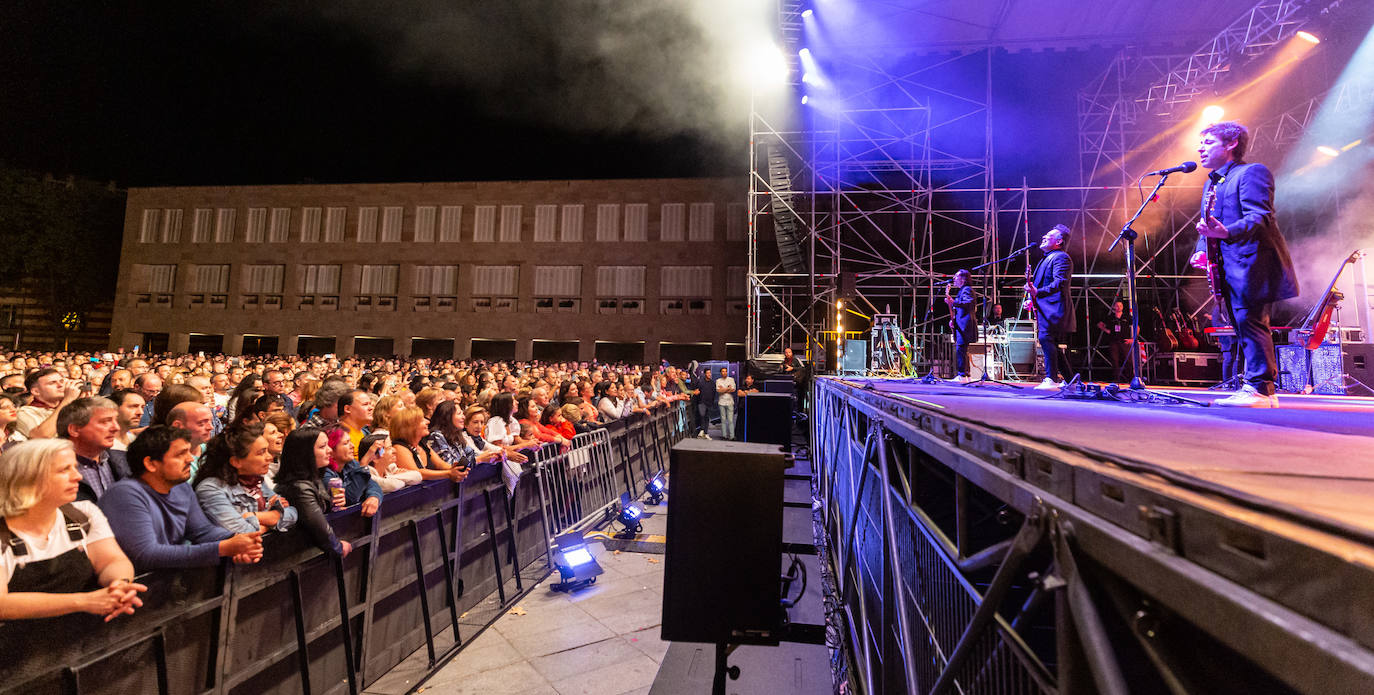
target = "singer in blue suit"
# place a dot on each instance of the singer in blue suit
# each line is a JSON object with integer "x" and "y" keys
{"x": 1255, "y": 258}
{"x": 1055, "y": 319}
{"x": 962, "y": 304}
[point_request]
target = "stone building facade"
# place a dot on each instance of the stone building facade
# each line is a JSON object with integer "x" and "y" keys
{"x": 557, "y": 270}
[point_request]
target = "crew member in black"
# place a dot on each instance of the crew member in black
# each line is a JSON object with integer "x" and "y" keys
{"x": 1255, "y": 260}
{"x": 1054, "y": 312}
{"x": 1116, "y": 331}
{"x": 962, "y": 305}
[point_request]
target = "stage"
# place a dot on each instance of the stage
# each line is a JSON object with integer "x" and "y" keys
{"x": 1251, "y": 529}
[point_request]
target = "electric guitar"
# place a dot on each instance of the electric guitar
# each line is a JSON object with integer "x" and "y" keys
{"x": 1030, "y": 302}
{"x": 1216, "y": 274}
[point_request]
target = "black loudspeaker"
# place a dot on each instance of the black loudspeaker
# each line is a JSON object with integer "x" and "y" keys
{"x": 767, "y": 418}
{"x": 721, "y": 577}
{"x": 1331, "y": 365}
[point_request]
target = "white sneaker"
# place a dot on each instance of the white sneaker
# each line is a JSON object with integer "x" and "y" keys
{"x": 1049, "y": 385}
{"x": 1248, "y": 397}
{"x": 705, "y": 436}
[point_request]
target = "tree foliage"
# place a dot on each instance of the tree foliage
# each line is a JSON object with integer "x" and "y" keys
{"x": 62, "y": 235}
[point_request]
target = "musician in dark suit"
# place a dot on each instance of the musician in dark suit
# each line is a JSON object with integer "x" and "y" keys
{"x": 1255, "y": 260}
{"x": 1055, "y": 319}
{"x": 962, "y": 305}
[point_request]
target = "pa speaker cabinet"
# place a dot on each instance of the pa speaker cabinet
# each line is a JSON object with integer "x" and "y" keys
{"x": 768, "y": 418}
{"x": 721, "y": 578}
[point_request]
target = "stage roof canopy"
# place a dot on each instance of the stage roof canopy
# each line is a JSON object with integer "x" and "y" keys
{"x": 901, "y": 26}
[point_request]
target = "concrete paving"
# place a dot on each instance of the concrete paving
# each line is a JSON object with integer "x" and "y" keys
{"x": 601, "y": 640}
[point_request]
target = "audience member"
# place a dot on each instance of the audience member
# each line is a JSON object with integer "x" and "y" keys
{"x": 725, "y": 401}
{"x": 57, "y": 555}
{"x": 148, "y": 385}
{"x": 156, "y": 516}
{"x": 357, "y": 482}
{"x": 231, "y": 482}
{"x": 91, "y": 425}
{"x": 301, "y": 481}
{"x": 49, "y": 392}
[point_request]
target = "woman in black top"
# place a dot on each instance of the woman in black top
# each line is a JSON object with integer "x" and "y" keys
{"x": 300, "y": 479}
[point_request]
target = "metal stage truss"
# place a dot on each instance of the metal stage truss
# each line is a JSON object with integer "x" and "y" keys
{"x": 980, "y": 547}
{"x": 875, "y": 202}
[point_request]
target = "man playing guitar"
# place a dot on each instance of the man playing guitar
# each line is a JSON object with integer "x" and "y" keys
{"x": 1255, "y": 264}
{"x": 1049, "y": 294}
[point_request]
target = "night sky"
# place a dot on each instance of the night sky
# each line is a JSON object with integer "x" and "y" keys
{"x": 239, "y": 93}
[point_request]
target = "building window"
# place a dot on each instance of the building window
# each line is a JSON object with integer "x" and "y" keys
{"x": 670, "y": 220}
{"x": 495, "y": 287}
{"x": 484, "y": 225}
{"x": 425, "y": 216}
{"x": 334, "y": 224}
{"x": 557, "y": 288}
{"x": 378, "y": 279}
{"x": 159, "y": 279}
{"x": 200, "y": 225}
{"x": 171, "y": 226}
{"x": 263, "y": 279}
{"x": 570, "y": 224}
{"x": 320, "y": 279}
{"x": 685, "y": 289}
{"x": 310, "y": 225}
{"x": 510, "y": 223}
{"x": 262, "y": 286}
{"x": 608, "y": 222}
{"x": 450, "y": 217}
{"x": 147, "y": 232}
{"x": 224, "y": 225}
{"x": 210, "y": 278}
{"x": 701, "y": 222}
{"x": 436, "y": 280}
{"x": 391, "y": 224}
{"x": 620, "y": 289}
{"x": 545, "y": 222}
{"x": 278, "y": 225}
{"x": 735, "y": 285}
{"x": 367, "y": 225}
{"x": 636, "y": 222}
{"x": 736, "y": 222}
{"x": 255, "y": 230}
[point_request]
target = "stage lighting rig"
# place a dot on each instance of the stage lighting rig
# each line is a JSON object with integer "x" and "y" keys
{"x": 655, "y": 487}
{"x": 629, "y": 516}
{"x": 576, "y": 566}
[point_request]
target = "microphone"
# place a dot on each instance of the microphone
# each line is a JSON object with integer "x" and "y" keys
{"x": 1026, "y": 248}
{"x": 1186, "y": 167}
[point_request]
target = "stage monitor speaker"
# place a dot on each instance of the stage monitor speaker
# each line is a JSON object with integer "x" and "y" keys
{"x": 721, "y": 572}
{"x": 1331, "y": 365}
{"x": 767, "y": 418}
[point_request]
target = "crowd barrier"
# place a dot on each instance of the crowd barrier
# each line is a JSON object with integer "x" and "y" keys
{"x": 580, "y": 486}
{"x": 300, "y": 622}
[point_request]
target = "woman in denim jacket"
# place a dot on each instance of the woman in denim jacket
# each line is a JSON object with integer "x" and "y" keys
{"x": 231, "y": 487}
{"x": 358, "y": 485}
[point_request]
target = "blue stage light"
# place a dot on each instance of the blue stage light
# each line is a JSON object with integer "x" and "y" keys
{"x": 656, "y": 485}
{"x": 576, "y": 566}
{"x": 806, "y": 14}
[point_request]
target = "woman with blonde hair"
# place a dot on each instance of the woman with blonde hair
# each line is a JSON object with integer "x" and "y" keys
{"x": 408, "y": 431}
{"x": 57, "y": 555}
{"x": 386, "y": 407}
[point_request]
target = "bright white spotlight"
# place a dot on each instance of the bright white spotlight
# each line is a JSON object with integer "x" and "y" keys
{"x": 1309, "y": 37}
{"x": 766, "y": 65}
{"x": 806, "y": 14}
{"x": 1213, "y": 113}
{"x": 1328, "y": 151}
{"x": 805, "y": 99}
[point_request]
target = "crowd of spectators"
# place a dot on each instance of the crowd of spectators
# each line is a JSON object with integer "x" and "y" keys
{"x": 116, "y": 464}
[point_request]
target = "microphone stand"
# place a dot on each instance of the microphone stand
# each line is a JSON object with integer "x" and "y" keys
{"x": 1137, "y": 393}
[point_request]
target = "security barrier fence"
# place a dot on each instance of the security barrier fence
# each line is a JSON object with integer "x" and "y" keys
{"x": 437, "y": 564}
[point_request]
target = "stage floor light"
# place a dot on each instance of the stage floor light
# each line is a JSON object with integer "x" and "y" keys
{"x": 576, "y": 566}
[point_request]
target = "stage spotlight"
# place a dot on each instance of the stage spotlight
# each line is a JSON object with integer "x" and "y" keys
{"x": 655, "y": 488}
{"x": 1309, "y": 37}
{"x": 767, "y": 66}
{"x": 1213, "y": 113}
{"x": 805, "y": 100}
{"x": 806, "y": 14}
{"x": 629, "y": 516}
{"x": 576, "y": 566}
{"x": 1352, "y": 145}
{"x": 1328, "y": 151}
